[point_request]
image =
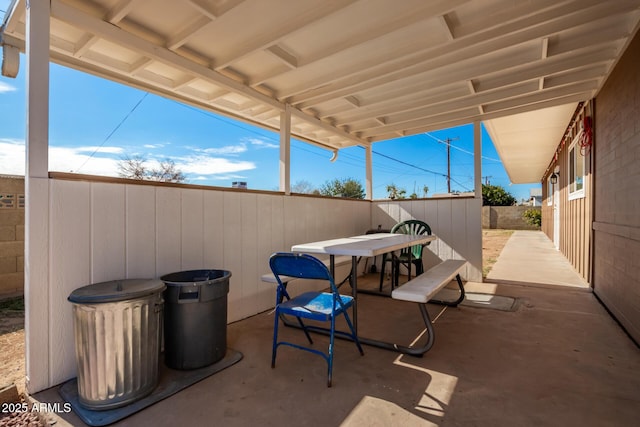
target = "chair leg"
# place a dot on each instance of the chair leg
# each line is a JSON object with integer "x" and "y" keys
{"x": 330, "y": 358}
{"x": 396, "y": 276}
{"x": 274, "y": 347}
{"x": 304, "y": 328}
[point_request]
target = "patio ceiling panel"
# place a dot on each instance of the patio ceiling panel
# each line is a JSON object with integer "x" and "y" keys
{"x": 515, "y": 136}
{"x": 360, "y": 70}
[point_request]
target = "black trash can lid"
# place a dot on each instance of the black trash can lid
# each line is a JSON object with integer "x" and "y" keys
{"x": 116, "y": 290}
{"x": 195, "y": 277}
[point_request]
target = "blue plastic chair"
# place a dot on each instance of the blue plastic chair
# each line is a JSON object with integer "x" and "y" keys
{"x": 320, "y": 306}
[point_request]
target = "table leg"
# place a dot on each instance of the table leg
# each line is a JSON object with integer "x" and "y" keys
{"x": 332, "y": 266}
{"x": 353, "y": 281}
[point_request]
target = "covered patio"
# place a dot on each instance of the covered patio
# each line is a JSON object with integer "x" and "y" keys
{"x": 556, "y": 358}
{"x": 334, "y": 74}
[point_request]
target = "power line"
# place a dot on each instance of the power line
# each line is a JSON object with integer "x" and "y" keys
{"x": 247, "y": 128}
{"x": 460, "y": 149}
{"x": 407, "y": 164}
{"x": 421, "y": 168}
{"x": 113, "y": 131}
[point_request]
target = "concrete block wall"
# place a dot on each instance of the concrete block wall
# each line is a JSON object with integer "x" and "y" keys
{"x": 506, "y": 217}
{"x": 11, "y": 235}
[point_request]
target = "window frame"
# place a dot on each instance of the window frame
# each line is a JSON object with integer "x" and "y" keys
{"x": 573, "y": 157}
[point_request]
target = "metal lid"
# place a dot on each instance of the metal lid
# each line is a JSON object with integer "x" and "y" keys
{"x": 116, "y": 290}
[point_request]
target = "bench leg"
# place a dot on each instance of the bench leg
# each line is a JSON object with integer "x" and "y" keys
{"x": 411, "y": 351}
{"x": 456, "y": 302}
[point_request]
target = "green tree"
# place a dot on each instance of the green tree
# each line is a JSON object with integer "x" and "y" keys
{"x": 495, "y": 195}
{"x": 346, "y": 187}
{"x": 533, "y": 217}
{"x": 396, "y": 192}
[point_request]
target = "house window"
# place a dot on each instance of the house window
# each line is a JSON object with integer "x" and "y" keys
{"x": 549, "y": 192}
{"x": 576, "y": 171}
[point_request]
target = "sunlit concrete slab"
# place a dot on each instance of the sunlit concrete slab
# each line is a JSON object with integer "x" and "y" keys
{"x": 529, "y": 257}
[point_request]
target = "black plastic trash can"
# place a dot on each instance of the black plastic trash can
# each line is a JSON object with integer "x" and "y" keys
{"x": 195, "y": 318}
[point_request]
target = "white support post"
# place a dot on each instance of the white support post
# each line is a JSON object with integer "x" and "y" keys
{"x": 369, "y": 167}
{"x": 477, "y": 157}
{"x": 285, "y": 150}
{"x": 36, "y": 266}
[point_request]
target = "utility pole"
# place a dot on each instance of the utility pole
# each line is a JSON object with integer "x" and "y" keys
{"x": 486, "y": 180}
{"x": 448, "y": 143}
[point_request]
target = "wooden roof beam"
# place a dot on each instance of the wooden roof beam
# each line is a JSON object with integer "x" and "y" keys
{"x": 577, "y": 92}
{"x": 116, "y": 14}
{"x": 544, "y": 55}
{"x": 189, "y": 30}
{"x": 279, "y": 32}
{"x": 150, "y": 50}
{"x": 449, "y": 122}
{"x": 460, "y": 104}
{"x": 513, "y": 33}
{"x": 447, "y": 26}
{"x": 425, "y": 10}
{"x": 285, "y": 57}
{"x": 213, "y": 12}
{"x": 120, "y": 10}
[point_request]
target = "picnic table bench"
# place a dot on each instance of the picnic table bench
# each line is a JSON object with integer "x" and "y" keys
{"x": 423, "y": 288}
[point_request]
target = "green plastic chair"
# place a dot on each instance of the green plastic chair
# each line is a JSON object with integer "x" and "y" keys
{"x": 412, "y": 227}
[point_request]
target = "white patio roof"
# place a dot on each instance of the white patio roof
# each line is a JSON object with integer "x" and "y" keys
{"x": 355, "y": 71}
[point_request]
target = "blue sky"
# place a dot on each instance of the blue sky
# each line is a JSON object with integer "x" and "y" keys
{"x": 94, "y": 123}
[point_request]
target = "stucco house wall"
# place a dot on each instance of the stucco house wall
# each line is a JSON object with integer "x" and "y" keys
{"x": 600, "y": 232}
{"x": 616, "y": 225}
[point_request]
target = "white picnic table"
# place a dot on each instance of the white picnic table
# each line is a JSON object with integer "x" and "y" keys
{"x": 366, "y": 245}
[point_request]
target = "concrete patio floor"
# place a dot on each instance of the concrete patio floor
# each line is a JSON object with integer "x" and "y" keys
{"x": 556, "y": 359}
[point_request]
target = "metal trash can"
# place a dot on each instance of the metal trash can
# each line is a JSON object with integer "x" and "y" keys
{"x": 195, "y": 318}
{"x": 117, "y": 327}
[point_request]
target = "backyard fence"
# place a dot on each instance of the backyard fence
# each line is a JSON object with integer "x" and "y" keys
{"x": 506, "y": 217}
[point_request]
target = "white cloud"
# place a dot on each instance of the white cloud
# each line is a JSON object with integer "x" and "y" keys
{"x": 260, "y": 143}
{"x": 5, "y": 87}
{"x": 227, "y": 150}
{"x": 67, "y": 159}
{"x": 203, "y": 165}
{"x": 12, "y": 158}
{"x": 62, "y": 159}
{"x": 79, "y": 160}
{"x": 104, "y": 150}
